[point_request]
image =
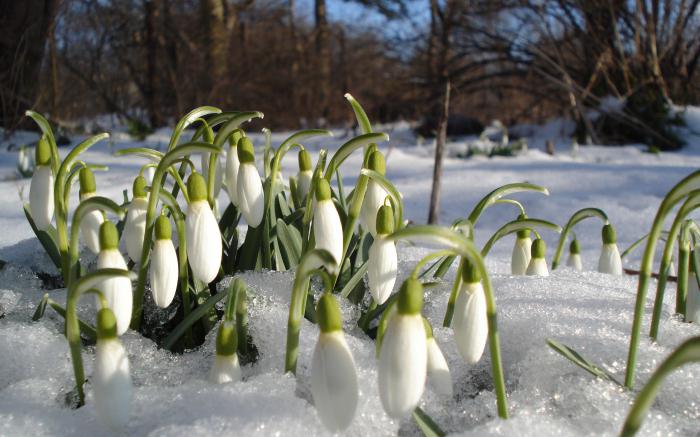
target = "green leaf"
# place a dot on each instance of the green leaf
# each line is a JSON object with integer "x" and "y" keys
{"x": 580, "y": 361}
{"x": 354, "y": 280}
{"x": 47, "y": 238}
{"x": 188, "y": 120}
{"x": 201, "y": 311}
{"x": 426, "y": 424}
{"x": 350, "y": 146}
{"x": 360, "y": 114}
{"x": 232, "y": 124}
{"x": 290, "y": 239}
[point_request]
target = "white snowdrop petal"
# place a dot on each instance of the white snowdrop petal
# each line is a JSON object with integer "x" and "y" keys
{"x": 374, "y": 199}
{"x": 112, "y": 383}
{"x": 438, "y": 372}
{"x": 470, "y": 322}
{"x": 382, "y": 268}
{"x": 232, "y": 165}
{"x": 135, "y": 227}
{"x": 328, "y": 231}
{"x": 520, "y": 257}
{"x": 403, "y": 363}
{"x": 610, "y": 261}
{"x": 249, "y": 190}
{"x": 225, "y": 369}
{"x": 90, "y": 230}
{"x": 164, "y": 272}
{"x": 537, "y": 267}
{"x": 304, "y": 183}
{"x": 117, "y": 291}
{"x": 575, "y": 262}
{"x": 41, "y": 196}
{"x": 334, "y": 381}
{"x": 203, "y": 241}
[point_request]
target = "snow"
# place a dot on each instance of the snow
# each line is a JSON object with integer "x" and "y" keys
{"x": 547, "y": 394}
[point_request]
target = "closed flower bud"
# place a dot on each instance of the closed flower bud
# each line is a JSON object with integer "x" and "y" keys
{"x": 333, "y": 374}
{"x": 91, "y": 222}
{"x": 520, "y": 257}
{"x": 403, "y": 357}
{"x": 438, "y": 372}
{"x": 328, "y": 231}
{"x": 117, "y": 290}
{"x": 305, "y": 174}
{"x": 41, "y": 200}
{"x": 538, "y": 265}
{"x": 164, "y": 266}
{"x": 383, "y": 260}
{"x": 111, "y": 379}
{"x": 574, "y": 260}
{"x": 249, "y": 189}
{"x": 135, "y": 226}
{"x": 470, "y": 322}
{"x": 232, "y": 166}
{"x": 610, "y": 260}
{"x": 375, "y": 194}
{"x": 226, "y": 367}
{"x": 202, "y": 232}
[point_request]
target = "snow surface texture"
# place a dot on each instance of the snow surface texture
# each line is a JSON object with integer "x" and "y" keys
{"x": 547, "y": 395}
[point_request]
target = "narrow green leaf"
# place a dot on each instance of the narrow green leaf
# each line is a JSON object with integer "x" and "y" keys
{"x": 187, "y": 120}
{"x": 48, "y": 238}
{"x": 350, "y": 146}
{"x": 360, "y": 114}
{"x": 201, "y": 311}
{"x": 290, "y": 243}
{"x": 354, "y": 280}
{"x": 580, "y": 361}
{"x": 426, "y": 424}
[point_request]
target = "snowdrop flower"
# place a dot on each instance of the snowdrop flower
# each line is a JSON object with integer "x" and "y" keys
{"x": 538, "y": 266}
{"x": 91, "y": 222}
{"x": 610, "y": 261}
{"x": 375, "y": 194}
{"x": 148, "y": 174}
{"x": 218, "y": 173}
{"x": 333, "y": 375}
{"x": 328, "y": 231}
{"x": 226, "y": 367}
{"x": 202, "y": 233}
{"x": 232, "y": 166}
{"x": 520, "y": 257}
{"x": 438, "y": 372}
{"x": 383, "y": 261}
{"x": 135, "y": 226}
{"x": 692, "y": 303}
{"x": 111, "y": 375}
{"x": 470, "y": 322}
{"x": 305, "y": 175}
{"x": 117, "y": 291}
{"x": 41, "y": 188}
{"x": 403, "y": 357}
{"x": 249, "y": 189}
{"x": 164, "y": 267}
{"x": 574, "y": 260}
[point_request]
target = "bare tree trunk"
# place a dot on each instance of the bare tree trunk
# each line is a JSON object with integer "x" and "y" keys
{"x": 154, "y": 115}
{"x": 439, "y": 152}
{"x": 216, "y": 44}
{"x": 54, "y": 71}
{"x": 324, "y": 56}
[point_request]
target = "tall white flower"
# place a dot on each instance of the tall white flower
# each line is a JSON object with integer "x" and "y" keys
{"x": 305, "y": 175}
{"x": 375, "y": 194}
{"x": 383, "y": 261}
{"x": 610, "y": 261}
{"x": 232, "y": 166}
{"x": 135, "y": 225}
{"x": 438, "y": 372}
{"x": 520, "y": 257}
{"x": 91, "y": 222}
{"x": 692, "y": 302}
{"x": 226, "y": 367}
{"x": 41, "y": 188}
{"x": 117, "y": 290}
{"x": 328, "y": 231}
{"x": 538, "y": 265}
{"x": 111, "y": 379}
{"x": 202, "y": 233}
{"x": 249, "y": 189}
{"x": 164, "y": 266}
{"x": 470, "y": 322}
{"x": 574, "y": 260}
{"x": 333, "y": 374}
{"x": 403, "y": 358}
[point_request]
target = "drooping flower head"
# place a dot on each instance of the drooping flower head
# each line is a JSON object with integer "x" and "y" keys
{"x": 232, "y": 166}
{"x": 438, "y": 372}
{"x": 249, "y": 189}
{"x": 164, "y": 265}
{"x": 328, "y": 231}
{"x": 574, "y": 260}
{"x": 375, "y": 194}
{"x": 470, "y": 319}
{"x": 202, "y": 233}
{"x": 383, "y": 261}
{"x": 226, "y": 367}
{"x": 610, "y": 260}
{"x": 520, "y": 257}
{"x": 538, "y": 265}
{"x": 305, "y": 174}
{"x": 116, "y": 290}
{"x": 41, "y": 201}
{"x": 135, "y": 226}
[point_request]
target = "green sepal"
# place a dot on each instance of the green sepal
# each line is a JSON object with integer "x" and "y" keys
{"x": 109, "y": 237}
{"x": 428, "y": 328}
{"x": 246, "y": 152}
{"x": 524, "y": 233}
{"x": 328, "y": 314}
{"x": 305, "y": 160}
{"x": 539, "y": 248}
{"x": 385, "y": 220}
{"x": 609, "y": 234}
{"x": 43, "y": 152}
{"x": 574, "y": 247}
{"x": 106, "y": 324}
{"x": 226, "y": 339}
{"x": 323, "y": 190}
{"x": 196, "y": 187}
{"x": 87, "y": 181}
{"x": 139, "y": 187}
{"x": 235, "y": 137}
{"x": 410, "y": 297}
{"x": 163, "y": 228}
{"x": 470, "y": 274}
{"x": 377, "y": 162}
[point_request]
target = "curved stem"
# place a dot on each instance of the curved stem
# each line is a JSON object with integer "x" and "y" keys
{"x": 514, "y": 226}
{"x": 429, "y": 257}
{"x": 498, "y": 193}
{"x": 576, "y": 217}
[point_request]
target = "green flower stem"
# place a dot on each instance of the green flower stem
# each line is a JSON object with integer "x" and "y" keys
{"x": 75, "y": 290}
{"x": 514, "y": 226}
{"x": 46, "y": 130}
{"x": 157, "y": 156}
{"x": 578, "y": 216}
{"x": 677, "y": 193}
{"x": 662, "y": 237}
{"x": 350, "y": 146}
{"x": 512, "y": 202}
{"x": 96, "y": 203}
{"x": 187, "y": 120}
{"x": 163, "y": 165}
{"x": 309, "y": 264}
{"x": 465, "y": 248}
{"x": 682, "y": 286}
{"x": 450, "y": 310}
{"x": 498, "y": 193}
{"x": 85, "y": 328}
{"x": 429, "y": 257}
{"x": 308, "y": 210}
{"x": 687, "y": 352}
{"x": 267, "y": 153}
{"x": 691, "y": 203}
{"x": 73, "y": 176}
